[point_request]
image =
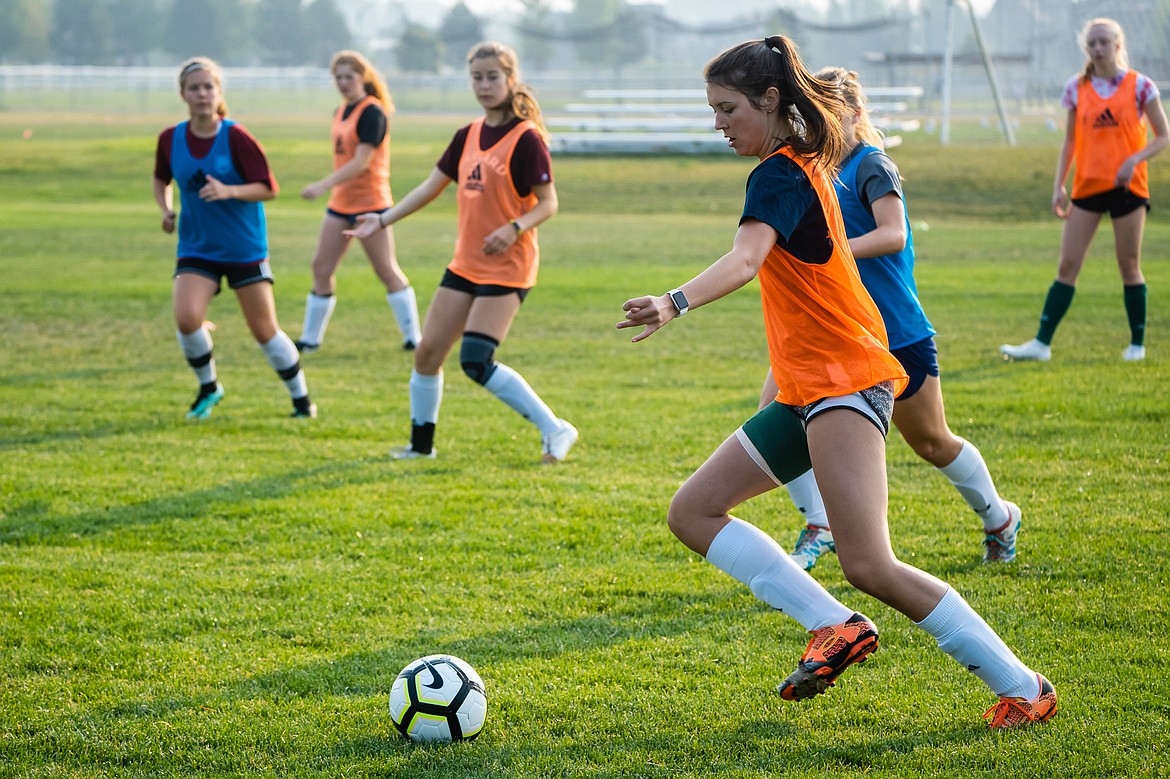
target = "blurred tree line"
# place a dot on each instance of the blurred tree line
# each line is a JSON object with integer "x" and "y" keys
{"x": 135, "y": 32}
{"x": 602, "y": 33}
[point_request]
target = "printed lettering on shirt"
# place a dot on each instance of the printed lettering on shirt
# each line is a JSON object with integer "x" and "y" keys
{"x": 474, "y": 180}
{"x": 1105, "y": 119}
{"x": 197, "y": 181}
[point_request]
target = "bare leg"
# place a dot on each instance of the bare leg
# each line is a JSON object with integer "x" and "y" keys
{"x": 849, "y": 459}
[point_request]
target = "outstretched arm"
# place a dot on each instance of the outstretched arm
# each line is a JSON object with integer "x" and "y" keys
{"x": 752, "y": 243}
{"x": 424, "y": 193}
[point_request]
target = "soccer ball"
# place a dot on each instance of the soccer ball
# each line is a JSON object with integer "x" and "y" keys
{"x": 438, "y": 698}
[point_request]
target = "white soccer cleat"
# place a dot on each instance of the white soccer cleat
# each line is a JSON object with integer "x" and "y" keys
{"x": 1032, "y": 350}
{"x": 407, "y": 453}
{"x": 556, "y": 446}
{"x": 1133, "y": 353}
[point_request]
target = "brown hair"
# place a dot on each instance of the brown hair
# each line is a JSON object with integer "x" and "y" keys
{"x": 849, "y": 87}
{"x": 1112, "y": 26}
{"x": 216, "y": 73}
{"x": 813, "y": 107}
{"x": 524, "y": 103}
{"x": 371, "y": 78}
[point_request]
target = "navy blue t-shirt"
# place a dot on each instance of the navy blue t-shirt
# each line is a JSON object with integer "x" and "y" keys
{"x": 780, "y": 195}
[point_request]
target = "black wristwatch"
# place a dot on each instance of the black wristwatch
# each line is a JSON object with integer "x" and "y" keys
{"x": 681, "y": 304}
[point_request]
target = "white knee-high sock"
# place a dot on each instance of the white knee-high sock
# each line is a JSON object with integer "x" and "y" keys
{"x": 318, "y": 310}
{"x": 968, "y": 472}
{"x": 510, "y": 387}
{"x": 806, "y": 496}
{"x": 426, "y": 395}
{"x": 752, "y": 557}
{"x": 963, "y": 635}
{"x": 197, "y": 347}
{"x": 405, "y": 307}
{"x": 286, "y": 361}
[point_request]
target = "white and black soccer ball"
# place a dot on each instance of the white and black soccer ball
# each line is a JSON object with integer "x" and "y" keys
{"x": 438, "y": 698}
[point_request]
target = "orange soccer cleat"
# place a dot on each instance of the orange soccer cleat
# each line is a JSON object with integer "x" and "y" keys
{"x": 1017, "y": 712}
{"x": 830, "y": 651}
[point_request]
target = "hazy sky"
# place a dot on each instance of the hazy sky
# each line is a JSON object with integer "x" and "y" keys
{"x": 688, "y": 10}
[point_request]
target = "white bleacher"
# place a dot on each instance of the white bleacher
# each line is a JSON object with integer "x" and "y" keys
{"x": 679, "y": 121}
{"x": 636, "y": 121}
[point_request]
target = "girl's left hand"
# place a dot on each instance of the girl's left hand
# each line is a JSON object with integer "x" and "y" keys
{"x": 500, "y": 239}
{"x": 1125, "y": 174}
{"x": 650, "y": 312}
{"x": 215, "y": 189}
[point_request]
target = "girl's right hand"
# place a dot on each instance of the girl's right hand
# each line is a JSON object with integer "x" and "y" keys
{"x": 367, "y": 225}
{"x": 168, "y": 221}
{"x": 649, "y": 312}
{"x": 313, "y": 191}
{"x": 1060, "y": 202}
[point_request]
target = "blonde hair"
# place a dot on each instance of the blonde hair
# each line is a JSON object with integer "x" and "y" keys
{"x": 849, "y": 87}
{"x": 1118, "y": 33}
{"x": 371, "y": 79}
{"x": 209, "y": 65}
{"x": 523, "y": 101}
{"x": 813, "y": 106}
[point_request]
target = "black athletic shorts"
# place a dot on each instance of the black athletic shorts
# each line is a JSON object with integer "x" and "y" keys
{"x": 919, "y": 360}
{"x": 238, "y": 274}
{"x": 351, "y": 219}
{"x": 456, "y": 282}
{"x": 1118, "y": 202}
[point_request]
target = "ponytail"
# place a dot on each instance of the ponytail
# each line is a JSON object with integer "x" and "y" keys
{"x": 848, "y": 86}
{"x": 524, "y": 105}
{"x": 813, "y": 107}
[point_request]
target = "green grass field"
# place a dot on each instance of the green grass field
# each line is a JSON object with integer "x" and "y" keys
{"x": 235, "y": 598}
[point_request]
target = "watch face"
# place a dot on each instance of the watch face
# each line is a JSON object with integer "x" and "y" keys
{"x": 680, "y": 300}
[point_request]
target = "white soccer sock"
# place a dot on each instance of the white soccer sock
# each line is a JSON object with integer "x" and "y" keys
{"x": 405, "y": 307}
{"x": 510, "y": 387}
{"x": 196, "y": 345}
{"x": 806, "y": 496}
{"x": 318, "y": 309}
{"x": 968, "y": 472}
{"x": 426, "y": 394}
{"x": 963, "y": 635}
{"x": 752, "y": 557}
{"x": 286, "y": 361}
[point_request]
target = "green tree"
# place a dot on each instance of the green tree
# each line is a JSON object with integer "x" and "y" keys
{"x": 283, "y": 39}
{"x": 82, "y": 32}
{"x": 459, "y": 31}
{"x": 24, "y": 31}
{"x": 611, "y": 33}
{"x": 536, "y": 47}
{"x": 328, "y": 30}
{"x": 135, "y": 29}
{"x": 220, "y": 29}
{"x": 419, "y": 49}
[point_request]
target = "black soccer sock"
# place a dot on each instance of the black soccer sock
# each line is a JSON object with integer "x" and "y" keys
{"x": 422, "y": 437}
{"x": 1135, "y": 311}
{"x": 1059, "y": 298}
